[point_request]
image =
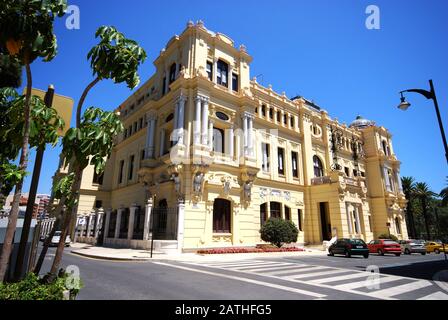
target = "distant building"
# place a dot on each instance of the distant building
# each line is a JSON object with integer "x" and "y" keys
{"x": 39, "y": 208}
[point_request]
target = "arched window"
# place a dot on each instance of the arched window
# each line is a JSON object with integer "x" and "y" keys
{"x": 398, "y": 225}
{"x": 172, "y": 73}
{"x": 263, "y": 110}
{"x": 263, "y": 214}
{"x": 169, "y": 118}
{"x": 275, "y": 208}
{"x": 218, "y": 140}
{"x": 221, "y": 216}
{"x": 318, "y": 167}
{"x": 384, "y": 143}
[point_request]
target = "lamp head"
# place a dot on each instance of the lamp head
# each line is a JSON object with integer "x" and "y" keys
{"x": 404, "y": 105}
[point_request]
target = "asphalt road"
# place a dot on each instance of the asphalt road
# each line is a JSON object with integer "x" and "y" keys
{"x": 285, "y": 278}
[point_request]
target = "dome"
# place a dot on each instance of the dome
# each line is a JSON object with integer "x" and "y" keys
{"x": 361, "y": 123}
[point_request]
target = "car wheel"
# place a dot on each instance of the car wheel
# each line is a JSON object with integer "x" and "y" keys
{"x": 366, "y": 255}
{"x": 437, "y": 251}
{"x": 423, "y": 253}
{"x": 398, "y": 254}
{"x": 407, "y": 251}
{"x": 347, "y": 254}
{"x": 330, "y": 253}
{"x": 380, "y": 252}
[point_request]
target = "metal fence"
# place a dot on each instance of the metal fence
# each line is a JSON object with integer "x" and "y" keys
{"x": 164, "y": 223}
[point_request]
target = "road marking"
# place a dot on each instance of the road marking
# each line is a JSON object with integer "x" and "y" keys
{"x": 313, "y": 274}
{"x": 288, "y": 267}
{"x": 227, "y": 264}
{"x": 338, "y": 278}
{"x": 259, "y": 265}
{"x": 262, "y": 283}
{"x": 289, "y": 271}
{"x": 439, "y": 295}
{"x": 364, "y": 283}
{"x": 390, "y": 292}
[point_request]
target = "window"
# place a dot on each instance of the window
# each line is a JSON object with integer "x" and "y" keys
{"x": 125, "y": 135}
{"x": 172, "y": 73}
{"x": 120, "y": 173}
{"x": 222, "y": 73}
{"x": 355, "y": 172}
{"x": 222, "y": 116}
{"x": 287, "y": 213}
{"x": 130, "y": 130}
{"x": 140, "y": 123}
{"x": 299, "y": 212}
{"x": 397, "y": 225}
{"x": 279, "y": 116}
{"x": 124, "y": 224}
{"x": 221, "y": 216}
{"x": 235, "y": 82}
{"x": 209, "y": 69}
{"x": 281, "y": 161}
{"x": 218, "y": 140}
{"x": 98, "y": 204}
{"x": 164, "y": 86}
{"x": 169, "y": 118}
{"x": 131, "y": 168}
{"x": 98, "y": 178}
{"x": 139, "y": 219}
{"x": 385, "y": 148}
{"x": 363, "y": 174}
{"x": 285, "y": 119}
{"x": 142, "y": 156}
{"x": 112, "y": 224}
{"x": 265, "y": 161}
{"x": 263, "y": 110}
{"x": 275, "y": 210}
{"x": 263, "y": 214}
{"x": 291, "y": 121}
{"x": 318, "y": 167}
{"x": 347, "y": 171}
{"x": 271, "y": 113}
{"x": 135, "y": 126}
{"x": 295, "y": 167}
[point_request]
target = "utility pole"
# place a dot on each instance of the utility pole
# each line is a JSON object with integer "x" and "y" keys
{"x": 32, "y": 197}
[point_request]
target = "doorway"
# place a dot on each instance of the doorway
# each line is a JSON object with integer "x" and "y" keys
{"x": 325, "y": 221}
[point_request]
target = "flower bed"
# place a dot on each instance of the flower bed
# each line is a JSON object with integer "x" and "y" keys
{"x": 248, "y": 250}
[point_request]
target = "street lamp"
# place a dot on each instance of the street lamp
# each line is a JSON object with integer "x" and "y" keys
{"x": 404, "y": 105}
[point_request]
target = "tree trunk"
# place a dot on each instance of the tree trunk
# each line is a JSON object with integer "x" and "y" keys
{"x": 12, "y": 219}
{"x": 69, "y": 214}
{"x": 81, "y": 101}
{"x": 425, "y": 216}
{"x": 58, "y": 213}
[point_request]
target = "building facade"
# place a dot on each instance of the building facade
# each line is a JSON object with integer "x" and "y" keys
{"x": 208, "y": 155}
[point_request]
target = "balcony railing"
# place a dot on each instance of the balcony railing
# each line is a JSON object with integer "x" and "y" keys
{"x": 320, "y": 180}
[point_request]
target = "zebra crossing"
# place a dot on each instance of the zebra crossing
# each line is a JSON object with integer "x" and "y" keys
{"x": 371, "y": 285}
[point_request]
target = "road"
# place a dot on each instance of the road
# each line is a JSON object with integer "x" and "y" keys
{"x": 300, "y": 277}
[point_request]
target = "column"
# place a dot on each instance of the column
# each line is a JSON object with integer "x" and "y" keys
{"x": 386, "y": 178}
{"x": 358, "y": 222}
{"x": 180, "y": 226}
{"x": 106, "y": 226}
{"x": 152, "y": 131}
{"x": 250, "y": 136}
{"x": 400, "y": 186}
{"x": 131, "y": 221}
{"x": 229, "y": 79}
{"x": 167, "y": 81}
{"x": 147, "y": 227}
{"x": 204, "y": 121}
{"x": 215, "y": 70}
{"x": 176, "y": 120}
{"x": 197, "y": 121}
{"x": 91, "y": 218}
{"x": 181, "y": 120}
{"x": 210, "y": 134}
{"x": 245, "y": 128}
{"x": 162, "y": 142}
{"x": 99, "y": 222}
{"x": 230, "y": 138}
{"x": 349, "y": 218}
{"x": 117, "y": 226}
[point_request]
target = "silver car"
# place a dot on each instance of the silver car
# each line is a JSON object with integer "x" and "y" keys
{"x": 413, "y": 246}
{"x": 56, "y": 237}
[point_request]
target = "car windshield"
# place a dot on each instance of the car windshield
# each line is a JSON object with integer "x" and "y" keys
{"x": 57, "y": 233}
{"x": 389, "y": 242}
{"x": 357, "y": 241}
{"x": 418, "y": 241}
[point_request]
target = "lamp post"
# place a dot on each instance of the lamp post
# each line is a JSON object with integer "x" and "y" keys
{"x": 404, "y": 105}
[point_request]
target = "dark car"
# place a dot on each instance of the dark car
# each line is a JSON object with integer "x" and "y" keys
{"x": 349, "y": 247}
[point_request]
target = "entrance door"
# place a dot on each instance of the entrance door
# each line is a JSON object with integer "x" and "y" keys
{"x": 325, "y": 221}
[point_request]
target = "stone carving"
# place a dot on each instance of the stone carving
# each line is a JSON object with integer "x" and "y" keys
{"x": 263, "y": 193}
{"x": 287, "y": 195}
{"x": 226, "y": 185}
{"x": 197, "y": 182}
{"x": 247, "y": 189}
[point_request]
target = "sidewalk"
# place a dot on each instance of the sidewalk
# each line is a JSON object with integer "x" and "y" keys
{"x": 124, "y": 254}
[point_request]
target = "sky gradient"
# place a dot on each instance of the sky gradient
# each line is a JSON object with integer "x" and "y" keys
{"x": 318, "y": 49}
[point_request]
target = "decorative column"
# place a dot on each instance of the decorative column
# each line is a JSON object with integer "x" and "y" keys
{"x": 197, "y": 121}
{"x": 147, "y": 227}
{"x": 150, "y": 136}
{"x": 386, "y": 178}
{"x": 180, "y": 226}
{"x": 229, "y": 79}
{"x": 245, "y": 128}
{"x": 348, "y": 208}
{"x": 99, "y": 222}
{"x": 117, "y": 225}
{"x": 162, "y": 142}
{"x": 230, "y": 138}
{"x": 131, "y": 221}
{"x": 106, "y": 226}
{"x": 204, "y": 121}
{"x": 176, "y": 120}
{"x": 358, "y": 222}
{"x": 181, "y": 119}
{"x": 91, "y": 223}
{"x": 210, "y": 134}
{"x": 250, "y": 136}
{"x": 400, "y": 186}
{"x": 215, "y": 70}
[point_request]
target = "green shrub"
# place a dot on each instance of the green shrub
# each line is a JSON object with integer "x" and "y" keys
{"x": 33, "y": 288}
{"x": 278, "y": 231}
{"x": 388, "y": 236}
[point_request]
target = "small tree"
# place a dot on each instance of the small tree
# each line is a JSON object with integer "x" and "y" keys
{"x": 385, "y": 236}
{"x": 278, "y": 232}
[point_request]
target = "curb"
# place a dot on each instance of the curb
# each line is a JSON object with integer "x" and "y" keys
{"x": 109, "y": 258}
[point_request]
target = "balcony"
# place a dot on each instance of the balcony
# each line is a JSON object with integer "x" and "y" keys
{"x": 321, "y": 180}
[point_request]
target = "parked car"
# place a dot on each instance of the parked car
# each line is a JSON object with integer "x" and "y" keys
{"x": 436, "y": 247}
{"x": 349, "y": 247}
{"x": 57, "y": 236}
{"x": 383, "y": 246}
{"x": 413, "y": 246}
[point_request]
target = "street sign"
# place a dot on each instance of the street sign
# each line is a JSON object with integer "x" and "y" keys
{"x": 63, "y": 106}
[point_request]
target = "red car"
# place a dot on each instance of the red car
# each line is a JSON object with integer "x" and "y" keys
{"x": 383, "y": 246}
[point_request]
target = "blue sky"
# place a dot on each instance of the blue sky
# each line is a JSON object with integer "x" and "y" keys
{"x": 319, "y": 49}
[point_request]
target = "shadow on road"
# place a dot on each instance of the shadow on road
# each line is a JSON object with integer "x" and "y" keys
{"x": 419, "y": 270}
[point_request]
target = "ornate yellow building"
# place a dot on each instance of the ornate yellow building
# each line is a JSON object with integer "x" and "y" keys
{"x": 208, "y": 155}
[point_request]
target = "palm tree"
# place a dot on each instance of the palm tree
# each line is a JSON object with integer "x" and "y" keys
{"x": 424, "y": 194}
{"x": 408, "y": 184}
{"x": 444, "y": 194}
